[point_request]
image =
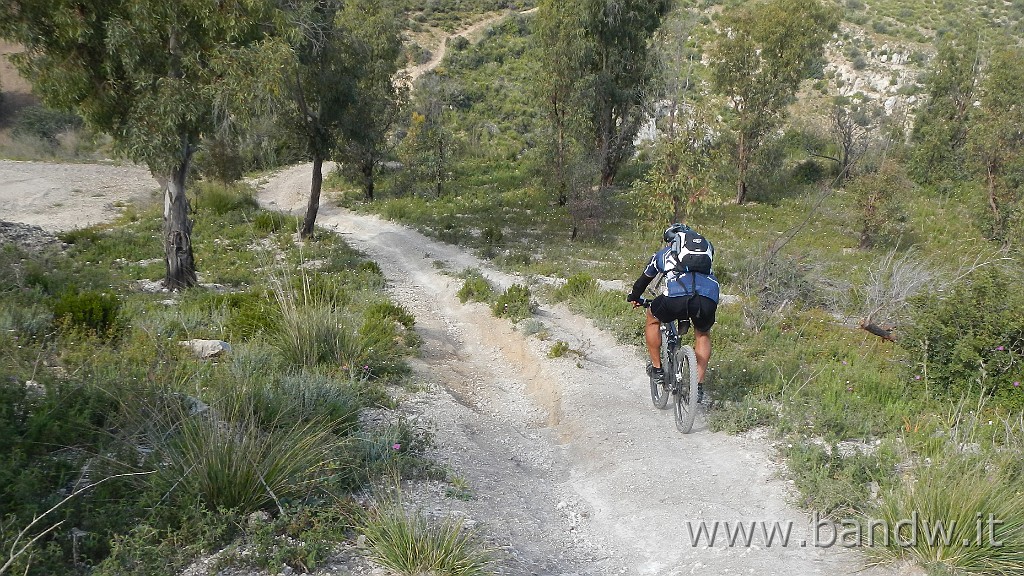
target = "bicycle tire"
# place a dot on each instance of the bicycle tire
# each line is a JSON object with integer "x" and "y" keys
{"x": 686, "y": 398}
{"x": 660, "y": 394}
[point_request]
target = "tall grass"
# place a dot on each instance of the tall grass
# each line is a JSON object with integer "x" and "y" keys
{"x": 409, "y": 544}
{"x": 979, "y": 505}
{"x": 313, "y": 330}
{"x": 237, "y": 465}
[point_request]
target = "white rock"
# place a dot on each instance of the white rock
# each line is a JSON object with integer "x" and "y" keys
{"x": 206, "y": 348}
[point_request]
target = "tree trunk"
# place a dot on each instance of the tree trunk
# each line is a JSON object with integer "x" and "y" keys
{"x": 367, "y": 170}
{"x": 180, "y": 263}
{"x": 741, "y": 164}
{"x": 314, "y": 197}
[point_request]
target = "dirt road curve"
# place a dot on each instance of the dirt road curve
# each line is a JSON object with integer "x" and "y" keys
{"x": 570, "y": 464}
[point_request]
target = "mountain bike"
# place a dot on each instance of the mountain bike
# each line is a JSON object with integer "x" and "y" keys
{"x": 680, "y": 365}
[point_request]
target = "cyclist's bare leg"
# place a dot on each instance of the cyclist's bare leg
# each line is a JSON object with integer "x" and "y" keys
{"x": 652, "y": 335}
{"x": 702, "y": 350}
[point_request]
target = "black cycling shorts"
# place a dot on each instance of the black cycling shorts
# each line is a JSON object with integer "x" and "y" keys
{"x": 700, "y": 310}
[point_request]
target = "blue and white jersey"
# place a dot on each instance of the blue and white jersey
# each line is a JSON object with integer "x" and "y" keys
{"x": 677, "y": 284}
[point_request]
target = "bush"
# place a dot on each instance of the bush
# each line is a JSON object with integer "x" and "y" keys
{"x": 970, "y": 338}
{"x": 238, "y": 466}
{"x": 475, "y": 288}
{"x": 881, "y": 197}
{"x": 267, "y": 222}
{"x": 91, "y": 310}
{"x": 808, "y": 172}
{"x": 577, "y": 286}
{"x": 960, "y": 492}
{"x": 514, "y": 303}
{"x": 44, "y": 123}
{"x": 223, "y": 199}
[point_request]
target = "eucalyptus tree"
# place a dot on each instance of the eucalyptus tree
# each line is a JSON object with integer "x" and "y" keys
{"x": 760, "y": 54}
{"x": 340, "y": 81}
{"x": 598, "y": 72}
{"x": 996, "y": 141}
{"x": 942, "y": 125}
{"x": 379, "y": 95}
{"x": 146, "y": 72}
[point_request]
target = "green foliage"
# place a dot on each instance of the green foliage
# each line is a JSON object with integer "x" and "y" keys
{"x": 969, "y": 339}
{"x": 221, "y": 200}
{"x": 91, "y": 310}
{"x": 576, "y": 286}
{"x": 475, "y": 288}
{"x": 980, "y": 507}
{"x": 739, "y": 417}
{"x": 410, "y": 544}
{"x": 995, "y": 145}
{"x": 940, "y": 131}
{"x": 514, "y": 303}
{"x": 43, "y": 123}
{"x": 680, "y": 179}
{"x": 881, "y": 197}
{"x": 761, "y": 53}
{"x": 834, "y": 482}
{"x": 266, "y": 221}
{"x": 242, "y": 467}
{"x": 558, "y": 349}
{"x": 597, "y": 78}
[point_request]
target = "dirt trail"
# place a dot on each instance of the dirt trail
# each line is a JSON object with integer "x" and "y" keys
{"x": 438, "y": 52}
{"x": 570, "y": 464}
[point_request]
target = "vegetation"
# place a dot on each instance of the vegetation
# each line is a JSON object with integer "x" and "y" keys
{"x": 160, "y": 456}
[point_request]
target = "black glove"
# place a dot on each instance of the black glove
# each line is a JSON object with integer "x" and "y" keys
{"x": 631, "y": 297}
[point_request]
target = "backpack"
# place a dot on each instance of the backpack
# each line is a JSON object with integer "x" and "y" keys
{"x": 692, "y": 253}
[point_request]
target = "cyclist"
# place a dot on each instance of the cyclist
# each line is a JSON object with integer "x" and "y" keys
{"x": 688, "y": 296}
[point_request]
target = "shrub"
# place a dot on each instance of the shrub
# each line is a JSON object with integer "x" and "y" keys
{"x": 558, "y": 349}
{"x": 577, "y": 285}
{"x": 223, "y": 199}
{"x": 238, "y": 466}
{"x": 514, "y": 303}
{"x": 475, "y": 288}
{"x": 970, "y": 338}
{"x": 267, "y": 222}
{"x": 88, "y": 309}
{"x": 808, "y": 172}
{"x": 880, "y": 201}
{"x": 44, "y": 123}
{"x": 408, "y": 543}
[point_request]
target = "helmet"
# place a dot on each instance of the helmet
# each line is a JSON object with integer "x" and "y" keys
{"x": 674, "y": 230}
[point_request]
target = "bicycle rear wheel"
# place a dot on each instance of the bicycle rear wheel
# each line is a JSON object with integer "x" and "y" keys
{"x": 686, "y": 397}
{"x": 661, "y": 393}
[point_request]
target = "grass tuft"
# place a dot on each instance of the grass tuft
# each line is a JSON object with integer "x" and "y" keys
{"x": 411, "y": 545}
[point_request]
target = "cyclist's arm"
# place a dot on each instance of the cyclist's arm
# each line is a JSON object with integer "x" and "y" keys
{"x": 644, "y": 280}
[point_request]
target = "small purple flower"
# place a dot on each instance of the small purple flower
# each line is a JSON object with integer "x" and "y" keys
{"x": 918, "y": 377}
{"x": 1016, "y": 384}
{"x": 849, "y": 388}
{"x": 396, "y": 446}
{"x": 844, "y": 362}
{"x": 1000, "y": 348}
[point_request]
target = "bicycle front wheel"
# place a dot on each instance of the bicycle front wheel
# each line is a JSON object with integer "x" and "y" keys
{"x": 686, "y": 397}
